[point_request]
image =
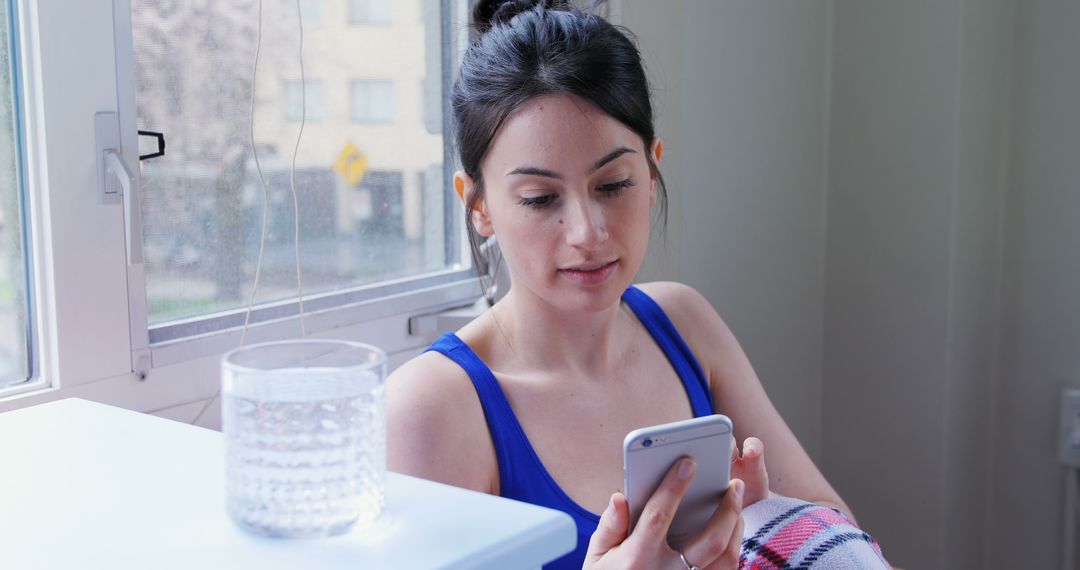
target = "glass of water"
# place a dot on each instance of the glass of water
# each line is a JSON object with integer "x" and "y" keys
{"x": 305, "y": 436}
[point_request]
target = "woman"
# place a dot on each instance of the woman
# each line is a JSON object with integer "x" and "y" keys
{"x": 533, "y": 398}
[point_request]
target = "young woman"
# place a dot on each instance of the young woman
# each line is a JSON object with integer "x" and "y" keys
{"x": 532, "y": 399}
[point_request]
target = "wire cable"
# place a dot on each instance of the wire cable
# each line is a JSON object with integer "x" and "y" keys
{"x": 292, "y": 173}
{"x": 266, "y": 190}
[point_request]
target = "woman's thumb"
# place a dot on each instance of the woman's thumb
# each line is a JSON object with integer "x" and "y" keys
{"x": 611, "y": 531}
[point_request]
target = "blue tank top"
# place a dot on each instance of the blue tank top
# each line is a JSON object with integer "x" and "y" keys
{"x": 521, "y": 474}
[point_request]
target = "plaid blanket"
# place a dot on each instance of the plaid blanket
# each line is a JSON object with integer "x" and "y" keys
{"x": 785, "y": 533}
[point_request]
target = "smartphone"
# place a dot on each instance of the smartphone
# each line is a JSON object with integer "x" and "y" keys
{"x": 648, "y": 454}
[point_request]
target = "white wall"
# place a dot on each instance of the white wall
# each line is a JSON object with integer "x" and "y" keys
{"x": 746, "y": 85}
{"x": 1041, "y": 341}
{"x": 881, "y": 199}
{"x": 915, "y": 185}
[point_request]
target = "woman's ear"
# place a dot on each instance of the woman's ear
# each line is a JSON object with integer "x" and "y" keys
{"x": 656, "y": 151}
{"x": 466, "y": 188}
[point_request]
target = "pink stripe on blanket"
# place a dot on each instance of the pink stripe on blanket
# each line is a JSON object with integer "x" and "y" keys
{"x": 807, "y": 524}
{"x": 780, "y": 529}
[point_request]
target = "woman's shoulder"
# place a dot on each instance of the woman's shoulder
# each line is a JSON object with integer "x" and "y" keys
{"x": 683, "y": 304}
{"x": 434, "y": 419}
{"x": 697, "y": 321}
{"x": 430, "y": 382}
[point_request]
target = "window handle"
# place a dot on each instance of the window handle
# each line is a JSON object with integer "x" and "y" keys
{"x": 111, "y": 164}
{"x": 115, "y": 165}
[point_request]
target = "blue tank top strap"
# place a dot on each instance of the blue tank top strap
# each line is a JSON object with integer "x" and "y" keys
{"x": 675, "y": 348}
{"x": 497, "y": 411}
{"x": 522, "y": 476}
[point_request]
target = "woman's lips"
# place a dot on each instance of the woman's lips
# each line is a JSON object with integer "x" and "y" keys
{"x": 590, "y": 274}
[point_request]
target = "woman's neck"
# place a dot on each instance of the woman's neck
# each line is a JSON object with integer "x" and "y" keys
{"x": 533, "y": 334}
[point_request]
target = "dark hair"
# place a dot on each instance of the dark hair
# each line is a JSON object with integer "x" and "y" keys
{"x": 528, "y": 48}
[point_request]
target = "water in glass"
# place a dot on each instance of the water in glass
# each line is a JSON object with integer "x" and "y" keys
{"x": 306, "y": 450}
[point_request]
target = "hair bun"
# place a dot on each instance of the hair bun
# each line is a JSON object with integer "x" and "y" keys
{"x": 488, "y": 13}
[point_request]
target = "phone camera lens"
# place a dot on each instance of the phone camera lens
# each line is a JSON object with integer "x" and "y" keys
{"x": 646, "y": 442}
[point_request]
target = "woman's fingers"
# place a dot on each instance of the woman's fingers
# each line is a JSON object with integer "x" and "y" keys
{"x": 659, "y": 511}
{"x": 611, "y": 531}
{"x": 730, "y": 557}
{"x": 751, "y": 469}
{"x": 715, "y": 542}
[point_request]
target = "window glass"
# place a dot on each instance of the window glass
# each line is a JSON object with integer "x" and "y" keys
{"x": 372, "y": 191}
{"x": 14, "y": 301}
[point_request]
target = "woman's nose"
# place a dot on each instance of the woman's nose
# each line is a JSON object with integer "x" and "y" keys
{"x": 585, "y": 226}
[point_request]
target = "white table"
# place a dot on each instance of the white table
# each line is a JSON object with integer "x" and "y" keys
{"x": 85, "y": 485}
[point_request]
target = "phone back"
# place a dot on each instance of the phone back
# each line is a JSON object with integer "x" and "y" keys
{"x": 649, "y": 453}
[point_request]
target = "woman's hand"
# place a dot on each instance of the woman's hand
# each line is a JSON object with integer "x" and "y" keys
{"x": 750, "y": 467}
{"x": 714, "y": 548}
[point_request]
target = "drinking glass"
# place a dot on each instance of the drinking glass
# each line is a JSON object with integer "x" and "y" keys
{"x": 305, "y": 436}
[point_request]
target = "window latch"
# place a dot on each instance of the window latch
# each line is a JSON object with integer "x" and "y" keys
{"x": 112, "y": 169}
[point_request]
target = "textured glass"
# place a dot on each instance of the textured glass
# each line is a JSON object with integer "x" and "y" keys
{"x": 14, "y": 329}
{"x": 372, "y": 194}
{"x": 305, "y": 436}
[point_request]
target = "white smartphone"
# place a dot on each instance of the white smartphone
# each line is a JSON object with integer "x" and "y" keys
{"x": 648, "y": 454}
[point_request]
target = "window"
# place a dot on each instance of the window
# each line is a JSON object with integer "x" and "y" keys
{"x": 374, "y": 220}
{"x": 202, "y": 202}
{"x": 370, "y": 11}
{"x": 14, "y": 301}
{"x": 153, "y": 283}
{"x": 372, "y": 101}
{"x": 296, "y": 99}
{"x": 311, "y": 10}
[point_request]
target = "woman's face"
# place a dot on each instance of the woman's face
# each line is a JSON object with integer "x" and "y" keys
{"x": 568, "y": 193}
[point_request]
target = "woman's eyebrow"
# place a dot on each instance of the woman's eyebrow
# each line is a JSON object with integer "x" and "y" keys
{"x": 611, "y": 156}
{"x": 536, "y": 171}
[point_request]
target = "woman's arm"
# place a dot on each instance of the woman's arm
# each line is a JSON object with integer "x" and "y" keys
{"x": 435, "y": 426}
{"x": 738, "y": 393}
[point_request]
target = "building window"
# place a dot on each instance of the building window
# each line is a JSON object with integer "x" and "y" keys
{"x": 296, "y": 99}
{"x": 372, "y": 101}
{"x": 370, "y": 11}
{"x": 311, "y": 10}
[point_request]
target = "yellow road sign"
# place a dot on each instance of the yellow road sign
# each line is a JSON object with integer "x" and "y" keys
{"x": 351, "y": 164}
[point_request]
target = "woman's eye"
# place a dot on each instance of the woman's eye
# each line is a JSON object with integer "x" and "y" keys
{"x": 538, "y": 201}
{"x": 615, "y": 187}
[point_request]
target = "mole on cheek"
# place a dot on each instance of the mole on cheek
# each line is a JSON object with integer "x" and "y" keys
{"x": 560, "y": 221}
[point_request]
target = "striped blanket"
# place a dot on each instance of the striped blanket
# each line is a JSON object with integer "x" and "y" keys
{"x": 785, "y": 533}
